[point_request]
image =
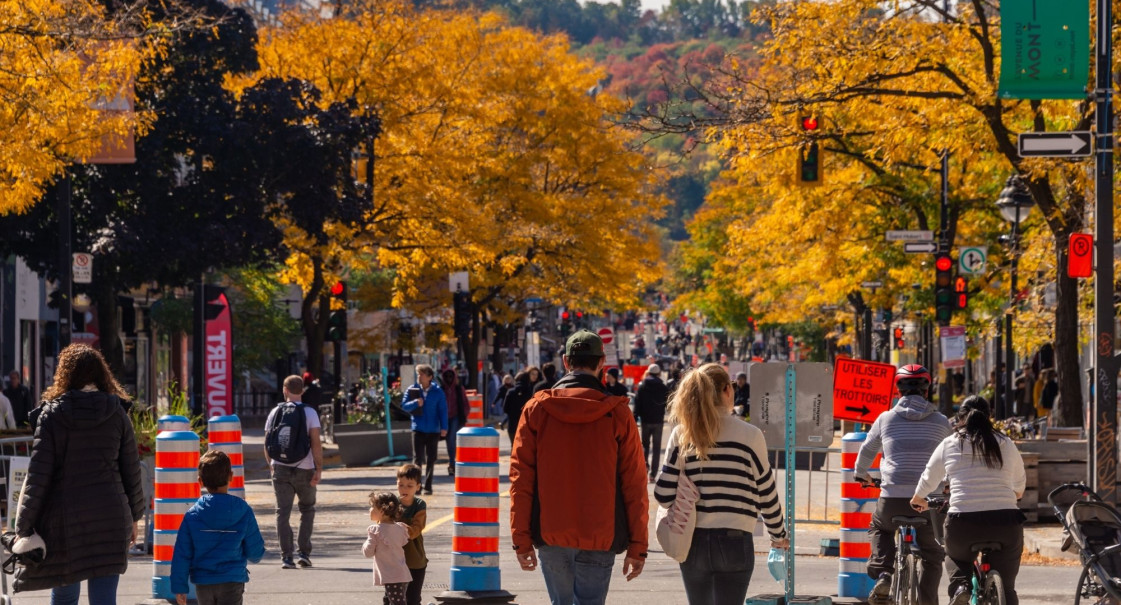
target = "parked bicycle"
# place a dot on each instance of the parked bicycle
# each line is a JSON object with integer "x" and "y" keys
{"x": 908, "y": 555}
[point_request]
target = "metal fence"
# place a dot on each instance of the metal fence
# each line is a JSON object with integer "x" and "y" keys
{"x": 816, "y": 478}
{"x": 255, "y": 403}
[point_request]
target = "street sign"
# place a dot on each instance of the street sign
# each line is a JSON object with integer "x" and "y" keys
{"x": 457, "y": 281}
{"x": 871, "y": 284}
{"x": 610, "y": 348}
{"x": 768, "y": 401}
{"x": 1072, "y": 144}
{"x": 813, "y": 385}
{"x": 909, "y": 236}
{"x": 971, "y": 260}
{"x": 607, "y": 335}
{"x": 920, "y": 247}
{"x": 862, "y": 389}
{"x": 82, "y": 268}
{"x": 953, "y": 346}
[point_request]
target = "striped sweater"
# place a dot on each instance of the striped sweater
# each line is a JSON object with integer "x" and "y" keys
{"x": 736, "y": 482}
{"x": 906, "y": 434}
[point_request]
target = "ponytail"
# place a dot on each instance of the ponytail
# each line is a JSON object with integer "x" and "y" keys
{"x": 694, "y": 410}
{"x": 977, "y": 428}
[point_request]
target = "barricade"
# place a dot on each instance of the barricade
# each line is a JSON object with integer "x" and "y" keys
{"x": 475, "y": 408}
{"x": 224, "y": 433}
{"x": 173, "y": 423}
{"x": 857, "y": 505}
{"x": 475, "y": 575}
{"x": 177, "y": 490}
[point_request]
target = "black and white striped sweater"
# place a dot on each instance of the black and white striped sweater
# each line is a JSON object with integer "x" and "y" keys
{"x": 736, "y": 482}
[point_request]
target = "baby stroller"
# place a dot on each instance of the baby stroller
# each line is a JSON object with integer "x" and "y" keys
{"x": 1094, "y": 527}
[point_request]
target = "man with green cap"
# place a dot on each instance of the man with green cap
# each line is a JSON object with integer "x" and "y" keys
{"x": 576, "y": 452}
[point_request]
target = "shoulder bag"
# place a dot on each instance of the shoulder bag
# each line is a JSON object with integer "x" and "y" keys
{"x": 674, "y": 525}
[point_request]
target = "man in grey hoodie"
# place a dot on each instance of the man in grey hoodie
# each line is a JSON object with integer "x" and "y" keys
{"x": 907, "y": 435}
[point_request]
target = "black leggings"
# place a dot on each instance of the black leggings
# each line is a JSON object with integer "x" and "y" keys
{"x": 962, "y": 532}
{"x": 425, "y": 448}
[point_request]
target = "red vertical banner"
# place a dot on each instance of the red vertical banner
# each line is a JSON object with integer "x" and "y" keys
{"x": 219, "y": 367}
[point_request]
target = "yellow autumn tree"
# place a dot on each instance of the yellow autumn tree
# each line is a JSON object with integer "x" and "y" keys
{"x": 892, "y": 86}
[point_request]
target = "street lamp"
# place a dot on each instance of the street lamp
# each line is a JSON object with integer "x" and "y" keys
{"x": 1015, "y": 204}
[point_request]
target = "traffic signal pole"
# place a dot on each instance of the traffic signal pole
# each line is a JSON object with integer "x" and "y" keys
{"x": 945, "y": 389}
{"x": 1103, "y": 421}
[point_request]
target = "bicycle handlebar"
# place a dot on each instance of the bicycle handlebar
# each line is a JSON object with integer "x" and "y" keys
{"x": 869, "y": 481}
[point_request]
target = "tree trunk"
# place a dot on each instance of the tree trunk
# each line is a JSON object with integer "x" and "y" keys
{"x": 313, "y": 321}
{"x": 1068, "y": 410}
{"x": 471, "y": 349}
{"x": 109, "y": 329}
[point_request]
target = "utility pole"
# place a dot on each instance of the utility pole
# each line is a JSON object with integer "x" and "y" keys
{"x": 65, "y": 260}
{"x": 1103, "y": 423}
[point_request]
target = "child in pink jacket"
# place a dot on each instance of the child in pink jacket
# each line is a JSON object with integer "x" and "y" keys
{"x": 385, "y": 542}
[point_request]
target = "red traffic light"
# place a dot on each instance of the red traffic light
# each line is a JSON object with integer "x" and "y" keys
{"x": 898, "y": 333}
{"x": 579, "y": 315}
{"x": 338, "y": 289}
{"x": 960, "y": 284}
{"x": 809, "y": 123}
{"x": 943, "y": 263}
{"x": 564, "y": 314}
{"x": 1080, "y": 255}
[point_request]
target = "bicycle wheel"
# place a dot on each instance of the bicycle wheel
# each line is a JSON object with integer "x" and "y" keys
{"x": 903, "y": 584}
{"x": 912, "y": 580}
{"x": 994, "y": 590}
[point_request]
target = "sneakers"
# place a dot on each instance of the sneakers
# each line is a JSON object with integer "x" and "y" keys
{"x": 451, "y": 470}
{"x": 961, "y": 597}
{"x": 287, "y": 563}
{"x": 428, "y": 491}
{"x": 880, "y": 592}
{"x": 302, "y": 560}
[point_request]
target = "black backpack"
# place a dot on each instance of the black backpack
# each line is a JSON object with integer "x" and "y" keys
{"x": 287, "y": 438}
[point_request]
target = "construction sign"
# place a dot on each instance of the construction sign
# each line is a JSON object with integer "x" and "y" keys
{"x": 862, "y": 389}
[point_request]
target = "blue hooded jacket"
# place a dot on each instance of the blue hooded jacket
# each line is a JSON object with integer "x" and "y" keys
{"x": 434, "y": 416}
{"x": 219, "y": 534}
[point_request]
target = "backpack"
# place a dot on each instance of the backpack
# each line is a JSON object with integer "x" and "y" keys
{"x": 287, "y": 439}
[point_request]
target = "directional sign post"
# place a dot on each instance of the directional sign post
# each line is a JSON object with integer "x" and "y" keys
{"x": 871, "y": 285}
{"x": 862, "y": 389}
{"x": 768, "y": 401}
{"x": 920, "y": 247}
{"x": 909, "y": 236}
{"x": 813, "y": 400}
{"x": 971, "y": 260}
{"x": 1073, "y": 144}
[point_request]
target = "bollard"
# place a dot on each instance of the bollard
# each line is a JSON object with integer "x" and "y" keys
{"x": 475, "y": 409}
{"x": 475, "y": 576}
{"x": 857, "y": 505}
{"x": 224, "y": 433}
{"x": 173, "y": 423}
{"x": 177, "y": 490}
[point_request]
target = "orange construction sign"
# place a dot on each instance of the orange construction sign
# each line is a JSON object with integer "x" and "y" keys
{"x": 862, "y": 389}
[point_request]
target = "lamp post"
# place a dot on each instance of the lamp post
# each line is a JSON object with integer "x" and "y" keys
{"x": 1015, "y": 204}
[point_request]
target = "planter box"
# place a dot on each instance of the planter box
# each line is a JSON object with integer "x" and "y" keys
{"x": 361, "y": 444}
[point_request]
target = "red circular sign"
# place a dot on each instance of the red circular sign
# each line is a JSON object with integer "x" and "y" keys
{"x": 607, "y": 335}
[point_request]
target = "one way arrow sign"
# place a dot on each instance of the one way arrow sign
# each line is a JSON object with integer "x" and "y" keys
{"x": 1056, "y": 144}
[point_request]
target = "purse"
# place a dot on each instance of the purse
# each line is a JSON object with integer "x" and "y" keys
{"x": 674, "y": 525}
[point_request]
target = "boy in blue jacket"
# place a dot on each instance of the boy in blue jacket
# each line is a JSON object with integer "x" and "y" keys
{"x": 217, "y": 538}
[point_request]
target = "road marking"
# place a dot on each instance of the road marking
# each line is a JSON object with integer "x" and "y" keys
{"x": 446, "y": 518}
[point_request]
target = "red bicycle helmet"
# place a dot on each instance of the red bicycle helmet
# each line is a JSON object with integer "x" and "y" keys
{"x": 912, "y": 379}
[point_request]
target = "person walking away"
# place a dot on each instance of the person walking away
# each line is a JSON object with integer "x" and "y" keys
{"x": 548, "y": 380}
{"x": 414, "y": 514}
{"x": 295, "y": 456}
{"x": 385, "y": 544}
{"x": 1047, "y": 394}
{"x": 907, "y": 435}
{"x": 743, "y": 395}
{"x": 650, "y": 409}
{"x": 496, "y": 409}
{"x": 217, "y": 539}
{"x": 426, "y": 403}
{"x": 458, "y": 408}
{"x": 612, "y": 383}
{"x": 987, "y": 477}
{"x": 577, "y": 482}
{"x": 726, "y": 458}
{"x": 515, "y": 401}
{"x": 83, "y": 495}
{"x": 20, "y": 397}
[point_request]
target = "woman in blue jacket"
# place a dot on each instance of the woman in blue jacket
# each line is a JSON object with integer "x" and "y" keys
{"x": 425, "y": 400}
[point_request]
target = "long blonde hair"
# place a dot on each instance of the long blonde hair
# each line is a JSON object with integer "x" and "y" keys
{"x": 695, "y": 408}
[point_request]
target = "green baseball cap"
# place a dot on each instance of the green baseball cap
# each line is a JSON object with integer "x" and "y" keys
{"x": 585, "y": 344}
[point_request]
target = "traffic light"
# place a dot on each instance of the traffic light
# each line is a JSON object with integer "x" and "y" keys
{"x": 943, "y": 288}
{"x": 961, "y": 292}
{"x": 336, "y": 319}
{"x": 897, "y": 333}
{"x": 809, "y": 153}
{"x": 462, "y": 321}
{"x": 564, "y": 328}
{"x": 1080, "y": 255}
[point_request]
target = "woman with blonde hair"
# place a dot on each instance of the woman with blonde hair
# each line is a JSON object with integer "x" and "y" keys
{"x": 726, "y": 458}
{"x": 83, "y": 494}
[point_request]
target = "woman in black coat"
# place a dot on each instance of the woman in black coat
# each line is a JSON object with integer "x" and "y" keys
{"x": 515, "y": 401}
{"x": 83, "y": 494}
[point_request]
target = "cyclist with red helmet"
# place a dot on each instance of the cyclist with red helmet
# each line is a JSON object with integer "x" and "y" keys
{"x": 907, "y": 435}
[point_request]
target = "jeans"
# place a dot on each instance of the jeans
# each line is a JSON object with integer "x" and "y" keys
{"x": 652, "y": 446}
{"x": 289, "y": 482}
{"x": 102, "y": 591}
{"x": 454, "y": 424}
{"x": 882, "y": 536}
{"x": 718, "y": 568}
{"x": 425, "y": 448}
{"x": 961, "y": 534}
{"x": 574, "y": 576}
{"x": 226, "y": 593}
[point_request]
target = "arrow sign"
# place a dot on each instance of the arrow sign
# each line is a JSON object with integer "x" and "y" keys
{"x": 863, "y": 410}
{"x": 920, "y": 247}
{"x": 1055, "y": 144}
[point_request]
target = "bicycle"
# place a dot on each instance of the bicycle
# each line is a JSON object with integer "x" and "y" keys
{"x": 908, "y": 555}
{"x": 987, "y": 585}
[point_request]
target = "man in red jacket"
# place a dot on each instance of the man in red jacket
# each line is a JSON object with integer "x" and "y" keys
{"x": 578, "y": 481}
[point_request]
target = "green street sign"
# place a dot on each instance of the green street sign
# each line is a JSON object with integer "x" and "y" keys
{"x": 1045, "y": 49}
